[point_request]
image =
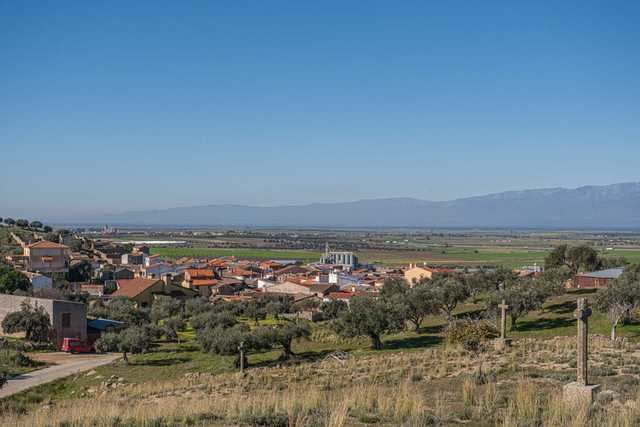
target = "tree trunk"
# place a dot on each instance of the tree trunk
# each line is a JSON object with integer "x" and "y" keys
{"x": 448, "y": 315}
{"x": 417, "y": 321}
{"x": 246, "y": 361}
{"x": 514, "y": 326}
{"x": 377, "y": 342}
{"x": 125, "y": 359}
{"x": 286, "y": 352}
{"x": 613, "y": 330}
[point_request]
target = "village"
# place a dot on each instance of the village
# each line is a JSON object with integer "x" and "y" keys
{"x": 105, "y": 271}
{"x": 65, "y": 293}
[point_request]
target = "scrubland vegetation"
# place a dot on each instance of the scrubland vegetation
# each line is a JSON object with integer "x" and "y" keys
{"x": 438, "y": 386}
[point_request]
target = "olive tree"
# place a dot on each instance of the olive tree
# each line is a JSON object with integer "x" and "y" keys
{"x": 228, "y": 341}
{"x": 576, "y": 258}
{"x": 172, "y": 326}
{"x": 522, "y": 296}
{"x": 420, "y": 302}
{"x": 620, "y": 299}
{"x": 33, "y": 321}
{"x": 332, "y": 309}
{"x": 447, "y": 292}
{"x": 165, "y": 307}
{"x": 285, "y": 334}
{"x": 134, "y": 339}
{"x": 12, "y": 280}
{"x": 122, "y": 309}
{"x": 372, "y": 317}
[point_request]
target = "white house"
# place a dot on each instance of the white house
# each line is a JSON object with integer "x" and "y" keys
{"x": 265, "y": 284}
{"x": 38, "y": 281}
{"x": 155, "y": 271}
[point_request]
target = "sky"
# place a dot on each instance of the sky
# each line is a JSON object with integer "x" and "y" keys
{"x": 117, "y": 106}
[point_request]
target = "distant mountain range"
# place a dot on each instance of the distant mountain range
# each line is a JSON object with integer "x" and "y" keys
{"x": 611, "y": 206}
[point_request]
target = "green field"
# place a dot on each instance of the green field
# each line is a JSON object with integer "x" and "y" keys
{"x": 458, "y": 256}
{"x": 506, "y": 257}
{"x": 243, "y": 253}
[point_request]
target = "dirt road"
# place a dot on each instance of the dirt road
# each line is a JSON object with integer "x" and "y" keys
{"x": 65, "y": 365}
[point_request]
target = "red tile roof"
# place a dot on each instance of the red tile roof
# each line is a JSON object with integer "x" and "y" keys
{"x": 131, "y": 288}
{"x": 200, "y": 272}
{"x": 217, "y": 263}
{"x": 242, "y": 272}
{"x": 45, "y": 244}
{"x": 341, "y": 295}
{"x": 204, "y": 282}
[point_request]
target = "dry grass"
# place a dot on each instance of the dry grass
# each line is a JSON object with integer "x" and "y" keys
{"x": 430, "y": 387}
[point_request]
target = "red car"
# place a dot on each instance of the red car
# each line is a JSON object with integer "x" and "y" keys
{"x": 75, "y": 345}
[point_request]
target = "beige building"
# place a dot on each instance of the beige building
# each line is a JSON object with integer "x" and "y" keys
{"x": 201, "y": 280}
{"x": 290, "y": 288}
{"x": 415, "y": 274}
{"x": 47, "y": 257}
{"x": 68, "y": 319}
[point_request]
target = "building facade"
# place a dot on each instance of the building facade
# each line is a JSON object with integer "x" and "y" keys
{"x": 47, "y": 257}
{"x": 68, "y": 319}
{"x": 596, "y": 279}
{"x": 346, "y": 260}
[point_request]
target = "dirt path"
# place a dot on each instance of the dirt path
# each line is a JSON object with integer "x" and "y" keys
{"x": 66, "y": 364}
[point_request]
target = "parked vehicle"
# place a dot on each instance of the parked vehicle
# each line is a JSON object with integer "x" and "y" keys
{"x": 75, "y": 345}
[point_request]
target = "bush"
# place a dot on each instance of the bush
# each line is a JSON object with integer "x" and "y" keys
{"x": 33, "y": 321}
{"x": 266, "y": 420}
{"x": 469, "y": 333}
{"x": 602, "y": 371}
{"x": 14, "y": 358}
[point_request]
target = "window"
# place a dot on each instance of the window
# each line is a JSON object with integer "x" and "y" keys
{"x": 66, "y": 320}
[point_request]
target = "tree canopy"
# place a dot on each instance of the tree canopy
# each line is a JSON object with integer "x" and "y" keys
{"x": 122, "y": 309}
{"x": 165, "y": 307}
{"x": 135, "y": 339}
{"x": 448, "y": 292}
{"x": 22, "y": 223}
{"x": 372, "y": 317}
{"x": 12, "y": 280}
{"x": 522, "y": 295}
{"x": 620, "y": 299}
{"x": 576, "y": 258}
{"x": 285, "y": 334}
{"x": 33, "y": 321}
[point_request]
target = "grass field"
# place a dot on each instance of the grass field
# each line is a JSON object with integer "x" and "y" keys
{"x": 172, "y": 361}
{"x": 411, "y": 368}
{"x": 442, "y": 256}
{"x": 243, "y": 253}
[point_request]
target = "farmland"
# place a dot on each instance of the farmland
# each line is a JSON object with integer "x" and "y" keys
{"x": 244, "y": 253}
{"x": 464, "y": 256}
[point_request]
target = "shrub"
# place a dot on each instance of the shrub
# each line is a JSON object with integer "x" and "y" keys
{"x": 33, "y": 321}
{"x": 469, "y": 333}
{"x": 602, "y": 371}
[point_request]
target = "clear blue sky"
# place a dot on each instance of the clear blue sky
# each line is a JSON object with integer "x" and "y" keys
{"x": 134, "y": 105}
